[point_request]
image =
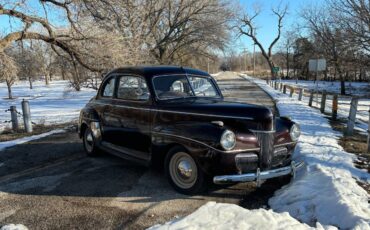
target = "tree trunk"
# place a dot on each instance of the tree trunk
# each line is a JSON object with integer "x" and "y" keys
{"x": 287, "y": 63}
{"x": 342, "y": 87}
{"x": 271, "y": 65}
{"x": 63, "y": 75}
{"x": 76, "y": 78}
{"x": 30, "y": 81}
{"x": 47, "y": 82}
{"x": 342, "y": 81}
{"x": 10, "y": 96}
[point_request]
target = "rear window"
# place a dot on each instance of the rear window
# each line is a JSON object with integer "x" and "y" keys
{"x": 108, "y": 88}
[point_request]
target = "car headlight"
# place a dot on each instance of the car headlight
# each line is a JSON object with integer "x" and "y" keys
{"x": 228, "y": 140}
{"x": 295, "y": 132}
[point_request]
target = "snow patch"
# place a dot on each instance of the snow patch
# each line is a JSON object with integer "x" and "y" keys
{"x": 7, "y": 144}
{"x": 325, "y": 190}
{"x": 14, "y": 227}
{"x": 230, "y": 216}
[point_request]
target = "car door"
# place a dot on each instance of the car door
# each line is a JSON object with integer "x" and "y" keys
{"x": 131, "y": 116}
{"x": 104, "y": 104}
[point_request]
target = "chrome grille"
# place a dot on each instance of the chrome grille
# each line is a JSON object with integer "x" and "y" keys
{"x": 266, "y": 142}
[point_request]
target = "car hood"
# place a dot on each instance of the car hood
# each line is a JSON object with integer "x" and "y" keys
{"x": 219, "y": 108}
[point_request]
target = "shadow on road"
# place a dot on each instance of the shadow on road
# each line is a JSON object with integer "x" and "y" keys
{"x": 51, "y": 184}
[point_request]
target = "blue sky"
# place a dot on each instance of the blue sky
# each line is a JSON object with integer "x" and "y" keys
{"x": 267, "y": 22}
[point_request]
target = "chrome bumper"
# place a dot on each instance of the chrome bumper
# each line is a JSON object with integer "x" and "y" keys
{"x": 259, "y": 176}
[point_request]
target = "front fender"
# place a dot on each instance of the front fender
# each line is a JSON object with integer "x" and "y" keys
{"x": 200, "y": 133}
{"x": 87, "y": 116}
{"x": 199, "y": 138}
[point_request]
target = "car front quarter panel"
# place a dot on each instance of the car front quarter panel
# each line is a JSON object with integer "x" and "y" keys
{"x": 87, "y": 115}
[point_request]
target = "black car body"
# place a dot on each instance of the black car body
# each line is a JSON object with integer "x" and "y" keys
{"x": 177, "y": 117}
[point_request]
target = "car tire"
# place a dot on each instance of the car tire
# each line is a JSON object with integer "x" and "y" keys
{"x": 183, "y": 172}
{"x": 89, "y": 143}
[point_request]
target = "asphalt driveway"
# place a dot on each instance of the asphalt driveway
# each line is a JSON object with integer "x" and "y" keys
{"x": 50, "y": 184}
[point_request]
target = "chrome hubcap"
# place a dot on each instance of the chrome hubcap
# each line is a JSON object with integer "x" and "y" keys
{"x": 183, "y": 170}
{"x": 89, "y": 137}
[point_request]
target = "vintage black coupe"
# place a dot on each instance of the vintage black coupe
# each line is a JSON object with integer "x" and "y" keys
{"x": 177, "y": 117}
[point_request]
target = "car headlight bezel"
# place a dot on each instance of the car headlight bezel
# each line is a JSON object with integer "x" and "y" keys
{"x": 228, "y": 140}
{"x": 295, "y": 132}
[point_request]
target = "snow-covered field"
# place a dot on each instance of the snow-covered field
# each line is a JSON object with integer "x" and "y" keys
{"x": 56, "y": 103}
{"x": 326, "y": 191}
{"x": 353, "y": 88}
{"x": 324, "y": 194}
{"x": 344, "y": 102}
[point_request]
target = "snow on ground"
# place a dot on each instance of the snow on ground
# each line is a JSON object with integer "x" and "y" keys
{"x": 326, "y": 190}
{"x": 354, "y": 88}
{"x": 7, "y": 144}
{"x": 14, "y": 227}
{"x": 323, "y": 194}
{"x": 56, "y": 103}
{"x": 230, "y": 216}
{"x": 344, "y": 102}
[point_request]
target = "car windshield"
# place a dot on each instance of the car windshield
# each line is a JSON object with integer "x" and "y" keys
{"x": 183, "y": 86}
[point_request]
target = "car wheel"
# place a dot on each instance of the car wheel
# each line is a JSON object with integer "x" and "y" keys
{"x": 89, "y": 143}
{"x": 183, "y": 172}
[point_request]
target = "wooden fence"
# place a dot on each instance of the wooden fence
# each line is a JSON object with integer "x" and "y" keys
{"x": 329, "y": 103}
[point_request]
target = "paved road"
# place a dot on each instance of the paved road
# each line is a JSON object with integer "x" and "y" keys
{"x": 51, "y": 184}
{"x": 236, "y": 88}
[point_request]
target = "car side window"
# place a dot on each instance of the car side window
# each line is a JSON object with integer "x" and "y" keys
{"x": 202, "y": 86}
{"x": 109, "y": 88}
{"x": 132, "y": 88}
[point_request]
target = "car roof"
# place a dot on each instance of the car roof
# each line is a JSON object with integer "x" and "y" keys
{"x": 150, "y": 71}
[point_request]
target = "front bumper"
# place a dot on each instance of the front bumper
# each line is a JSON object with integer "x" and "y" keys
{"x": 259, "y": 176}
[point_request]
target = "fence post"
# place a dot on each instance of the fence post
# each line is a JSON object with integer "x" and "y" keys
{"x": 334, "y": 112}
{"x": 27, "y": 116}
{"x": 300, "y": 94}
{"x": 323, "y": 102}
{"x": 352, "y": 116}
{"x": 311, "y": 98}
{"x": 284, "y": 89}
{"x": 281, "y": 86}
{"x": 275, "y": 85}
{"x": 291, "y": 92}
{"x": 368, "y": 135}
{"x": 14, "y": 117}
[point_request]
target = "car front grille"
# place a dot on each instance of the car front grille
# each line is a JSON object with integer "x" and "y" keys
{"x": 266, "y": 142}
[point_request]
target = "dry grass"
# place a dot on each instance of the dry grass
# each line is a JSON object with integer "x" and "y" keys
{"x": 8, "y": 134}
{"x": 355, "y": 144}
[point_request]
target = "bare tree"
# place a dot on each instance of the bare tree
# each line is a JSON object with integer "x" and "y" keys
{"x": 354, "y": 16}
{"x": 247, "y": 27}
{"x": 165, "y": 31}
{"x": 24, "y": 12}
{"x": 286, "y": 47}
{"x": 330, "y": 39}
{"x": 8, "y": 72}
{"x": 25, "y": 60}
{"x": 303, "y": 50}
